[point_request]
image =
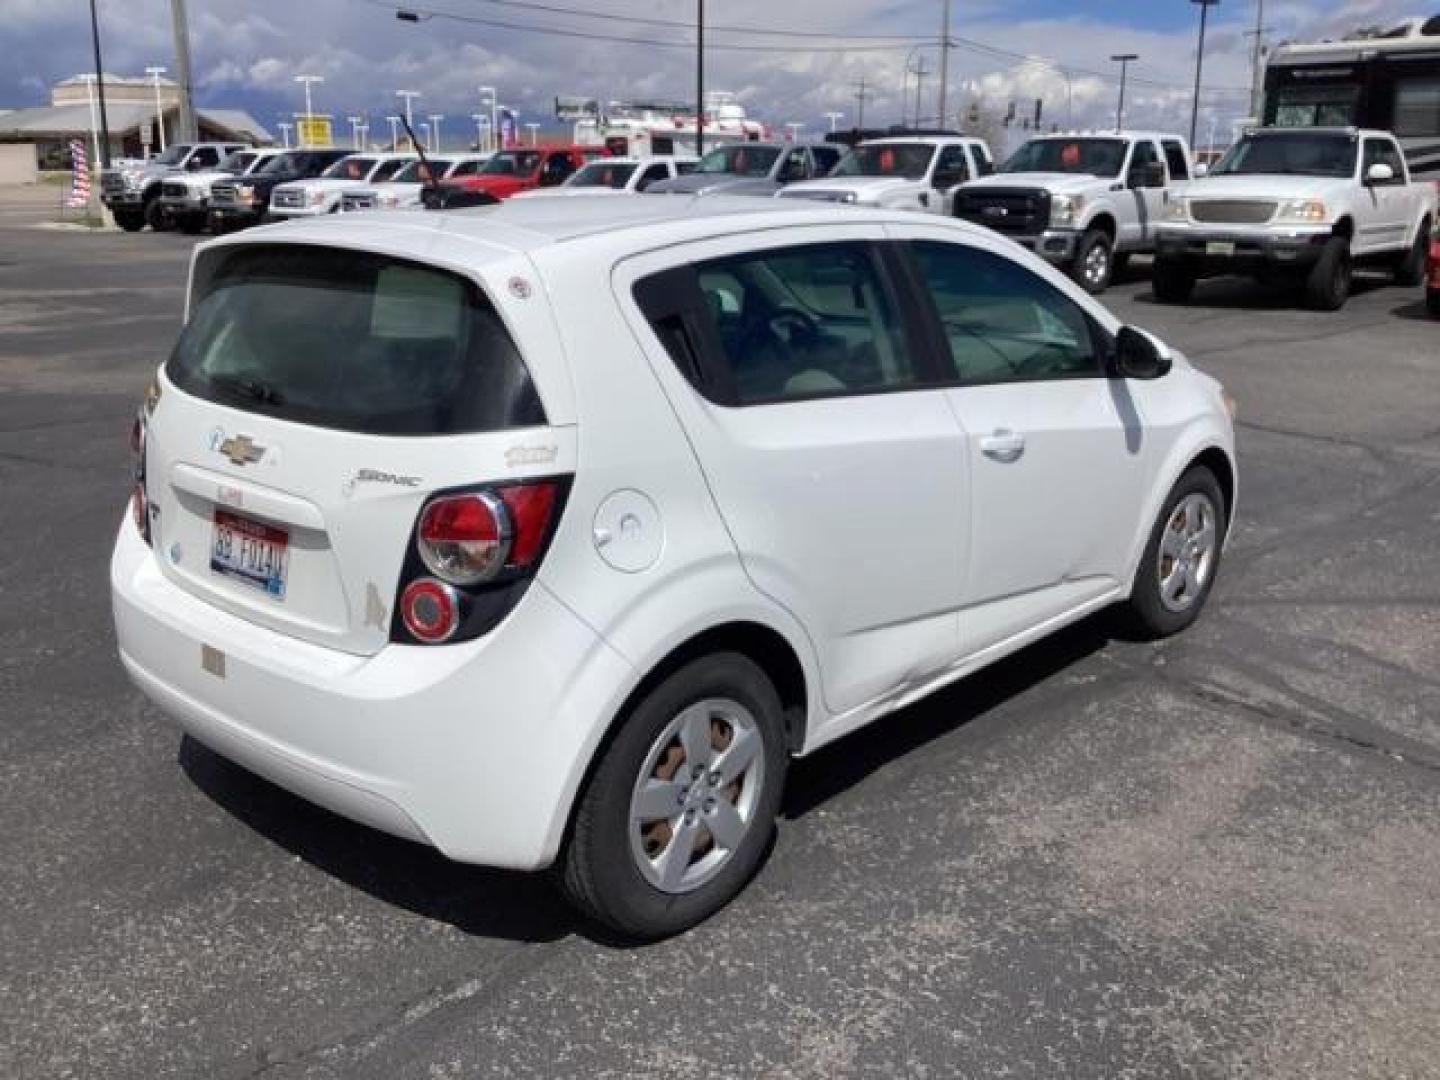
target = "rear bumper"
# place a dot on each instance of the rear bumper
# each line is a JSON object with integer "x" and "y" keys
{"x": 474, "y": 748}
{"x": 1240, "y": 251}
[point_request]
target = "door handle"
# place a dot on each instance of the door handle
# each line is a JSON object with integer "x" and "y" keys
{"x": 1002, "y": 445}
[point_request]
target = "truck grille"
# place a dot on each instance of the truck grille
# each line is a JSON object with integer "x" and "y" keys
{"x": 816, "y": 196}
{"x": 293, "y": 200}
{"x": 175, "y": 191}
{"x": 1232, "y": 211}
{"x": 111, "y": 182}
{"x": 1013, "y": 211}
{"x": 223, "y": 195}
{"x": 358, "y": 202}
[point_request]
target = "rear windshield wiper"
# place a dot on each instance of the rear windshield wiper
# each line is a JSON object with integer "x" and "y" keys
{"x": 253, "y": 389}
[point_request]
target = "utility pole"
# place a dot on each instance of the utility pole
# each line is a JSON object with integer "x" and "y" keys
{"x": 1205, "y": 6}
{"x": 100, "y": 90}
{"x": 944, "y": 62}
{"x": 409, "y": 96}
{"x": 860, "y": 95}
{"x": 155, "y": 73}
{"x": 920, "y": 72}
{"x": 699, "y": 78}
{"x": 832, "y": 117}
{"x": 1124, "y": 61}
{"x": 186, "y": 128}
{"x": 1257, "y": 72}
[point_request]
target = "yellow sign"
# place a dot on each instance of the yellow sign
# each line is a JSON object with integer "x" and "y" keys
{"x": 314, "y": 131}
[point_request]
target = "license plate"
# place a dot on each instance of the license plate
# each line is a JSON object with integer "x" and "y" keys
{"x": 250, "y": 551}
{"x": 1219, "y": 247}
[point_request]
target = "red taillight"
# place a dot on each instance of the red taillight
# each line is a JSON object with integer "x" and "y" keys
{"x": 137, "y": 435}
{"x": 531, "y": 506}
{"x": 430, "y": 610}
{"x": 139, "y": 498}
{"x": 140, "y": 509}
{"x": 465, "y": 539}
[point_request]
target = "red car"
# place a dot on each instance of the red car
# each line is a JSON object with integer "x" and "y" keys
{"x": 516, "y": 170}
{"x": 1432, "y": 276}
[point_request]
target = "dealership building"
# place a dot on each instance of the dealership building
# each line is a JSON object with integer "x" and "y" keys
{"x": 39, "y": 138}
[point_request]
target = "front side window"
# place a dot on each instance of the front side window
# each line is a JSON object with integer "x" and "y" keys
{"x": 952, "y": 168}
{"x": 1417, "y": 107}
{"x": 1175, "y": 158}
{"x": 415, "y": 172}
{"x": 207, "y": 157}
{"x": 1090, "y": 157}
{"x": 983, "y": 163}
{"x": 796, "y": 167}
{"x": 804, "y": 322}
{"x": 387, "y": 170}
{"x": 598, "y": 174}
{"x": 1143, "y": 157}
{"x": 353, "y": 341}
{"x": 512, "y": 163}
{"x": 651, "y": 175}
{"x": 826, "y": 158}
{"x": 1002, "y": 321}
{"x": 237, "y": 162}
{"x": 739, "y": 160}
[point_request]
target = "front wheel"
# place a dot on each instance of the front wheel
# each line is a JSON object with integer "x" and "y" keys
{"x": 1094, "y": 262}
{"x": 156, "y": 216}
{"x": 191, "y": 224}
{"x": 1432, "y": 302}
{"x": 1410, "y": 268}
{"x": 680, "y": 809}
{"x": 1181, "y": 557}
{"x": 130, "y": 220}
{"x": 1327, "y": 286}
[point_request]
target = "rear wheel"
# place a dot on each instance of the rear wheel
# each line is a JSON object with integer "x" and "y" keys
{"x": 1172, "y": 281}
{"x": 681, "y": 807}
{"x": 190, "y": 224}
{"x": 130, "y": 220}
{"x": 1094, "y": 261}
{"x": 1432, "y": 302}
{"x": 1181, "y": 557}
{"x": 1410, "y": 268}
{"x": 156, "y": 216}
{"x": 1327, "y": 286}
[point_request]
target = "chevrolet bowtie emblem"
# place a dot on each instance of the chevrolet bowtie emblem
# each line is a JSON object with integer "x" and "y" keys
{"x": 241, "y": 450}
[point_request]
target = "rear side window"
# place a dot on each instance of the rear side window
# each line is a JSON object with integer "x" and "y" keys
{"x": 352, "y": 341}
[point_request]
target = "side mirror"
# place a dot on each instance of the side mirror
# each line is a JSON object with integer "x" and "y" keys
{"x": 1201, "y": 170}
{"x": 1379, "y": 173}
{"x": 1138, "y": 355}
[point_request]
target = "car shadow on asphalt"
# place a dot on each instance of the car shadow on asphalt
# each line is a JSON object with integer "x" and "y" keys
{"x": 1247, "y": 294}
{"x": 1416, "y": 310}
{"x": 475, "y": 900}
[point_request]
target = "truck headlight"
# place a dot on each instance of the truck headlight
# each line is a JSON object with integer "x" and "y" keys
{"x": 1176, "y": 210}
{"x": 244, "y": 191}
{"x": 1065, "y": 209}
{"x": 315, "y": 198}
{"x": 388, "y": 199}
{"x": 131, "y": 177}
{"x": 1305, "y": 211}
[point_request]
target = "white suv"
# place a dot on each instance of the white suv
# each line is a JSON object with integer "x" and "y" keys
{"x": 548, "y": 533}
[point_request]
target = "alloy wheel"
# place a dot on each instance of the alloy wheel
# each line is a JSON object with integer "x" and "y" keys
{"x": 1188, "y": 547}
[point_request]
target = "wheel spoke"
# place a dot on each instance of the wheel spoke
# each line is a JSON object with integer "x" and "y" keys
{"x": 736, "y": 757}
{"x": 695, "y": 735}
{"x": 656, "y": 800}
{"x": 1171, "y": 582}
{"x": 1192, "y": 581}
{"x": 1172, "y": 542}
{"x": 675, "y": 859}
{"x": 725, "y": 824}
{"x": 1205, "y": 538}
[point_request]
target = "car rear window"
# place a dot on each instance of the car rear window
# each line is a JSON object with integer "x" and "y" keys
{"x": 353, "y": 341}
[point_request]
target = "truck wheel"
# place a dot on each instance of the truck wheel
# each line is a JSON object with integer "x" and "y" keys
{"x": 1432, "y": 302}
{"x": 1410, "y": 268}
{"x": 1093, "y": 262}
{"x": 680, "y": 809}
{"x": 1172, "y": 281}
{"x": 130, "y": 220}
{"x": 156, "y": 216}
{"x": 190, "y": 224}
{"x": 1327, "y": 286}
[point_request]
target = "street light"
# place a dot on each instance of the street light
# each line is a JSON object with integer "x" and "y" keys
{"x": 394, "y": 132}
{"x": 794, "y": 127}
{"x": 534, "y": 132}
{"x": 494, "y": 116}
{"x": 309, "y": 112}
{"x": 1205, "y": 6}
{"x": 481, "y": 123}
{"x": 1123, "y": 59}
{"x": 155, "y": 73}
{"x": 285, "y": 132}
{"x": 834, "y": 116}
{"x": 354, "y": 131}
{"x": 435, "y": 119}
{"x": 409, "y": 96}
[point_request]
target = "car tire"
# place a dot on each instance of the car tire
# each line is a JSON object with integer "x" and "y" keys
{"x": 1410, "y": 268}
{"x": 623, "y": 869}
{"x": 1327, "y": 286}
{"x": 1432, "y": 302}
{"x": 157, "y": 217}
{"x": 1182, "y": 556}
{"x": 191, "y": 224}
{"x": 130, "y": 220}
{"x": 1094, "y": 262}
{"x": 1172, "y": 281}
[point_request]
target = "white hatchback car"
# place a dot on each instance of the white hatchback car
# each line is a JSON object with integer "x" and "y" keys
{"x": 548, "y": 533}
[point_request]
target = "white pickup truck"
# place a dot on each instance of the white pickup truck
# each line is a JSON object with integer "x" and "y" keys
{"x": 1084, "y": 202}
{"x": 910, "y": 173}
{"x": 1307, "y": 203}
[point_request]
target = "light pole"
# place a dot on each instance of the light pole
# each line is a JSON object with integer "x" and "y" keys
{"x": 394, "y": 132}
{"x": 94, "y": 129}
{"x": 435, "y": 119}
{"x": 1123, "y": 59}
{"x": 1205, "y": 6}
{"x": 534, "y": 132}
{"x": 494, "y": 117}
{"x": 285, "y": 132}
{"x": 100, "y": 93}
{"x": 424, "y": 135}
{"x": 309, "y": 129}
{"x": 409, "y": 96}
{"x": 905, "y": 81}
{"x": 480, "y": 121}
{"x": 793, "y": 128}
{"x": 354, "y": 131}
{"x": 699, "y": 78}
{"x": 155, "y": 73}
{"x": 833, "y": 117}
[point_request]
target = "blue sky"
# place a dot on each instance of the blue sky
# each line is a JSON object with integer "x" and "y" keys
{"x": 247, "y": 53}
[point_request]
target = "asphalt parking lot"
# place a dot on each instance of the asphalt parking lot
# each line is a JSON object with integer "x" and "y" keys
{"x": 1217, "y": 856}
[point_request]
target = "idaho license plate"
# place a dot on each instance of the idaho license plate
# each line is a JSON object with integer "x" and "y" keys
{"x": 1219, "y": 247}
{"x": 250, "y": 551}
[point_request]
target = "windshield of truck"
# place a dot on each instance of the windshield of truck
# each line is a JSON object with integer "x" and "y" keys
{"x": 415, "y": 172}
{"x": 279, "y": 165}
{"x": 1291, "y": 154}
{"x": 174, "y": 155}
{"x": 909, "y": 160}
{"x": 600, "y": 174}
{"x": 353, "y": 341}
{"x": 1331, "y": 105}
{"x": 1089, "y": 157}
{"x": 739, "y": 160}
{"x": 237, "y": 162}
{"x": 512, "y": 163}
{"x": 350, "y": 168}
